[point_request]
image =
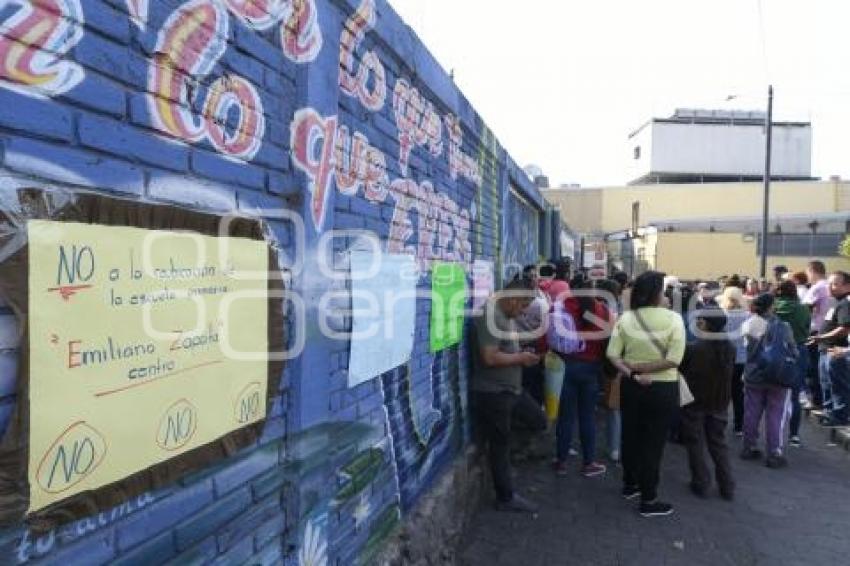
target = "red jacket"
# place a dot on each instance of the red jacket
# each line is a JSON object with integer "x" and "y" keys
{"x": 594, "y": 350}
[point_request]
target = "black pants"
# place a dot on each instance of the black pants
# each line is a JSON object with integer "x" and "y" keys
{"x": 703, "y": 430}
{"x": 813, "y": 376}
{"x": 495, "y": 414}
{"x": 532, "y": 382}
{"x": 738, "y": 397}
{"x": 647, "y": 412}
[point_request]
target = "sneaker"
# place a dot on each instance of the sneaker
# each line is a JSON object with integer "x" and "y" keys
{"x": 572, "y": 452}
{"x": 593, "y": 469}
{"x": 739, "y": 433}
{"x": 631, "y": 493}
{"x": 615, "y": 456}
{"x": 750, "y": 453}
{"x": 655, "y": 509}
{"x": 561, "y": 468}
{"x": 795, "y": 441}
{"x": 776, "y": 461}
{"x": 517, "y": 504}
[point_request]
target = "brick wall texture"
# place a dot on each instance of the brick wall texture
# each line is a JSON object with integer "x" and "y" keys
{"x": 318, "y": 116}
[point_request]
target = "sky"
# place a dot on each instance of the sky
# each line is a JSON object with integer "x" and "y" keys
{"x": 563, "y": 82}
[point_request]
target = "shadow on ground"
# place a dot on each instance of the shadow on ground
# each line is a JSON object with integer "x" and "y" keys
{"x": 795, "y": 516}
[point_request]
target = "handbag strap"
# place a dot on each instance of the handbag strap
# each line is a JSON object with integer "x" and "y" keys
{"x": 655, "y": 342}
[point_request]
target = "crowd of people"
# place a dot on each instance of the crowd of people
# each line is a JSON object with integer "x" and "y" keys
{"x": 665, "y": 360}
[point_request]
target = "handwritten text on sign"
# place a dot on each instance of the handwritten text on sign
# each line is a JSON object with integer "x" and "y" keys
{"x": 143, "y": 345}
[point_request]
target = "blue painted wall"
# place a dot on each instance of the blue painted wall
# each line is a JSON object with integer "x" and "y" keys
{"x": 248, "y": 115}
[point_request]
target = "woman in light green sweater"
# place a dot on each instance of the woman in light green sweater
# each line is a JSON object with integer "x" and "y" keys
{"x": 647, "y": 346}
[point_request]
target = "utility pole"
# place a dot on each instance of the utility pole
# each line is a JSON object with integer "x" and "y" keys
{"x": 766, "y": 209}
{"x": 580, "y": 255}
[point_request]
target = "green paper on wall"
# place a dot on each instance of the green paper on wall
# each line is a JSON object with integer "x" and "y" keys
{"x": 448, "y": 300}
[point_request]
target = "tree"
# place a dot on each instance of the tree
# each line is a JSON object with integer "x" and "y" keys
{"x": 844, "y": 248}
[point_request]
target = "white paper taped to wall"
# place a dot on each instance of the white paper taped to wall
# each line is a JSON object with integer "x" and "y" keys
{"x": 383, "y": 294}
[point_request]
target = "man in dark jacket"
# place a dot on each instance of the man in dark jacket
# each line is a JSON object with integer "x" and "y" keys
{"x": 708, "y": 367}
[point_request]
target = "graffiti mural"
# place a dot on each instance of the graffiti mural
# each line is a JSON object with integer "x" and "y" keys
{"x": 460, "y": 163}
{"x": 251, "y": 105}
{"x": 417, "y": 122}
{"x": 138, "y": 10}
{"x": 314, "y": 546}
{"x": 326, "y": 153}
{"x": 360, "y": 165}
{"x": 34, "y": 41}
{"x": 300, "y": 33}
{"x": 521, "y": 228}
{"x": 425, "y": 423}
{"x": 312, "y": 138}
{"x": 190, "y": 44}
{"x": 444, "y": 228}
{"x": 356, "y": 83}
{"x": 487, "y": 198}
{"x": 32, "y": 546}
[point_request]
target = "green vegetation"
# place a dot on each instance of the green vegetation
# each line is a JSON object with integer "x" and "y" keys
{"x": 844, "y": 248}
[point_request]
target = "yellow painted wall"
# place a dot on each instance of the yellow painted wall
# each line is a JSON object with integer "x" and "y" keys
{"x": 712, "y": 201}
{"x": 711, "y": 255}
{"x": 700, "y": 255}
{"x": 705, "y": 256}
{"x": 580, "y": 209}
{"x": 609, "y": 209}
{"x": 843, "y": 197}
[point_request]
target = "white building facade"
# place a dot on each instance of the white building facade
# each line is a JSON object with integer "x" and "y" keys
{"x": 716, "y": 146}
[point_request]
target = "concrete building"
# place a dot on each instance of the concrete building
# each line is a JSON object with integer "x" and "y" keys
{"x": 716, "y": 146}
{"x": 704, "y": 230}
{"x": 694, "y": 205}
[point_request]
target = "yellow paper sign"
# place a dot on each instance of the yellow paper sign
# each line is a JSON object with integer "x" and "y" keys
{"x": 143, "y": 345}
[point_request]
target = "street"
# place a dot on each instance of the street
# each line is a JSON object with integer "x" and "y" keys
{"x": 799, "y": 515}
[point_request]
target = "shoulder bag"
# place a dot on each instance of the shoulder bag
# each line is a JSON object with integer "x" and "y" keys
{"x": 685, "y": 395}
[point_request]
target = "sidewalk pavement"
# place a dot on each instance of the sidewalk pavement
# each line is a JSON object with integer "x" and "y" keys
{"x": 797, "y": 515}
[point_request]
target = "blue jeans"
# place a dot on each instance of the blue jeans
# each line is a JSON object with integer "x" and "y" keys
{"x": 838, "y": 370}
{"x": 825, "y": 387}
{"x": 615, "y": 426}
{"x": 578, "y": 397}
{"x": 799, "y": 387}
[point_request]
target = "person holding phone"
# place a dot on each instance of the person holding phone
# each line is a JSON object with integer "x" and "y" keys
{"x": 498, "y": 395}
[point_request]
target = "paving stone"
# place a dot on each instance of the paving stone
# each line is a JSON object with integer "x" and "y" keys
{"x": 798, "y": 515}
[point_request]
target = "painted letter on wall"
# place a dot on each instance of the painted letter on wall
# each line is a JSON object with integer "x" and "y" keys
{"x": 417, "y": 121}
{"x": 189, "y": 45}
{"x": 33, "y": 41}
{"x": 300, "y": 33}
{"x": 312, "y": 139}
{"x": 353, "y": 83}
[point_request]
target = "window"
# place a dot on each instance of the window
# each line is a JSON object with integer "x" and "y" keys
{"x": 805, "y": 245}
